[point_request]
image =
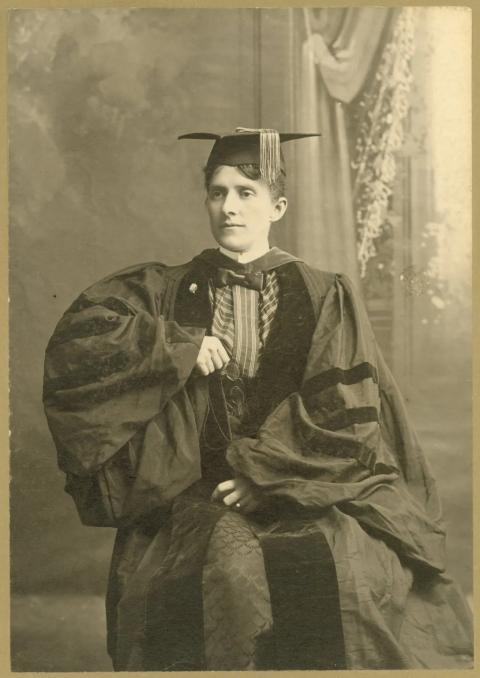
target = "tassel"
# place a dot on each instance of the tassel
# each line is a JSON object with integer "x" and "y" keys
{"x": 269, "y": 152}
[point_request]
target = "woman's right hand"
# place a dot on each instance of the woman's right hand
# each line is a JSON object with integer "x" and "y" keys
{"x": 212, "y": 356}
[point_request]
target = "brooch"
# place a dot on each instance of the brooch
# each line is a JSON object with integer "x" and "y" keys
{"x": 193, "y": 288}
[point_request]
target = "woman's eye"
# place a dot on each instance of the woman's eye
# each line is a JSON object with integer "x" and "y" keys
{"x": 247, "y": 194}
{"x": 215, "y": 195}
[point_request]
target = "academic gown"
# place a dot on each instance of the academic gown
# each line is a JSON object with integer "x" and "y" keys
{"x": 343, "y": 567}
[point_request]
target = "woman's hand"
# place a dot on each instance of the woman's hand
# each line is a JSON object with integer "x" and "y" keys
{"x": 239, "y": 493}
{"x": 212, "y": 356}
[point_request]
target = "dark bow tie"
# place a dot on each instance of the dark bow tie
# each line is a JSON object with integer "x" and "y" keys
{"x": 225, "y": 276}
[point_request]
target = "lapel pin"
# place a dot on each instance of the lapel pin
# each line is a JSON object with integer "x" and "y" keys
{"x": 193, "y": 288}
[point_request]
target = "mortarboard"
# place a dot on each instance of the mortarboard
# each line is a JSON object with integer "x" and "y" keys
{"x": 249, "y": 146}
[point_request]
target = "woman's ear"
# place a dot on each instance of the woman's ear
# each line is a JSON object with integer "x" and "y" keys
{"x": 279, "y": 209}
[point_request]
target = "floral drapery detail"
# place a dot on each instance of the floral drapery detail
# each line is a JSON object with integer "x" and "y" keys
{"x": 340, "y": 49}
{"x": 385, "y": 105}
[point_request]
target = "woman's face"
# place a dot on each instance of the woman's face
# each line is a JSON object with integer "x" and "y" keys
{"x": 241, "y": 210}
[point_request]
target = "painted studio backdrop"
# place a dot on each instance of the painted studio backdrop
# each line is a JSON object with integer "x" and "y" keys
{"x": 98, "y": 182}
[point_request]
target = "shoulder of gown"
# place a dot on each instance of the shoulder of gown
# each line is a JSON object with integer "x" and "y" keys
{"x": 326, "y": 284}
{"x": 141, "y": 286}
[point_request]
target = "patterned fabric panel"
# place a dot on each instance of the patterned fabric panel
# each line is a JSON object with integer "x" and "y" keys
{"x": 236, "y": 600}
{"x": 235, "y": 308}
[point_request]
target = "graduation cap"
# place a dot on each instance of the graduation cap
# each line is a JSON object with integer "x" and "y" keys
{"x": 249, "y": 146}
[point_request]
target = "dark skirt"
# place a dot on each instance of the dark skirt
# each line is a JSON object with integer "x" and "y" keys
{"x": 216, "y": 590}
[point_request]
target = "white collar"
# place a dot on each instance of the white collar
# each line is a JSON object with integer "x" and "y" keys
{"x": 245, "y": 257}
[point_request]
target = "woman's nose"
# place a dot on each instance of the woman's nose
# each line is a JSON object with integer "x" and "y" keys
{"x": 230, "y": 203}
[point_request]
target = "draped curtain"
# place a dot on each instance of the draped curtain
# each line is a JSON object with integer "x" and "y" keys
{"x": 338, "y": 55}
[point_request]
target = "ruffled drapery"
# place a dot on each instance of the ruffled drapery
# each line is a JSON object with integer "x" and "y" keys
{"x": 347, "y": 54}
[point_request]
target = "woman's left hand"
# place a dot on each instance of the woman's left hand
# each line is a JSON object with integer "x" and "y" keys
{"x": 239, "y": 493}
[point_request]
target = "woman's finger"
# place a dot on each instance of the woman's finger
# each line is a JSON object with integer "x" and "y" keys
{"x": 217, "y": 361}
{"x": 203, "y": 368}
{"x": 226, "y": 486}
{"x": 222, "y": 488}
{"x": 232, "y": 498}
{"x": 223, "y": 355}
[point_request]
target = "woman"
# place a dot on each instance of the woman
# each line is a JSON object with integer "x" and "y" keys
{"x": 234, "y": 419}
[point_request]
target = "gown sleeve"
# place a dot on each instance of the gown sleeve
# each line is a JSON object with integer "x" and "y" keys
{"x": 111, "y": 366}
{"x": 343, "y": 439}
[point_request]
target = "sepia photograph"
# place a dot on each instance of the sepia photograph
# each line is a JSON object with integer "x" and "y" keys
{"x": 240, "y": 299}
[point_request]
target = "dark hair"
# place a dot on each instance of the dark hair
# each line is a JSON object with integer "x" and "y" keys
{"x": 251, "y": 171}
